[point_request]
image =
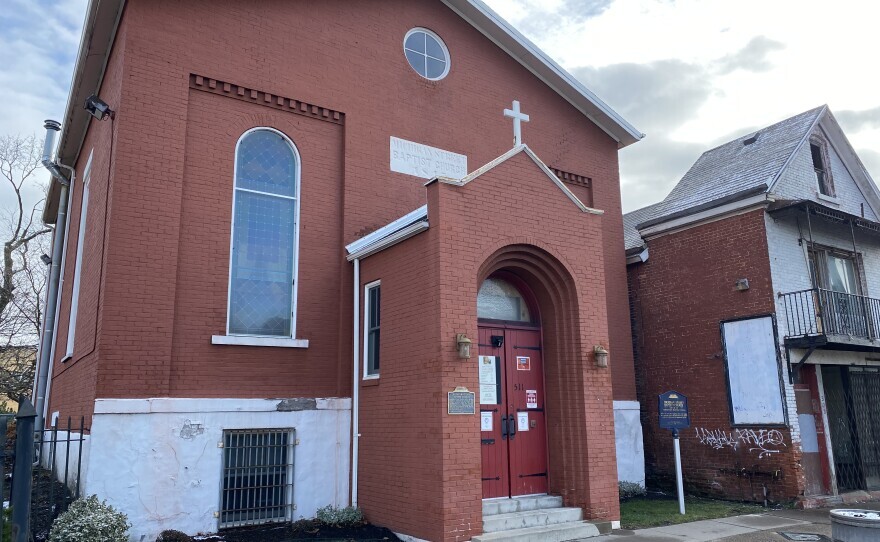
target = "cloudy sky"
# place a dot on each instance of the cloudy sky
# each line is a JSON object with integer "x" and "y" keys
{"x": 689, "y": 73}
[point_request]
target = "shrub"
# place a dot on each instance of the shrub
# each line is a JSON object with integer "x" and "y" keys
{"x": 90, "y": 520}
{"x": 340, "y": 517}
{"x": 628, "y": 490}
{"x": 171, "y": 535}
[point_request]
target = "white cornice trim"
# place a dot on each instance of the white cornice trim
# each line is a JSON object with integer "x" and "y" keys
{"x": 709, "y": 215}
{"x": 410, "y": 218}
{"x": 507, "y": 156}
{"x": 536, "y": 61}
{"x": 388, "y": 241}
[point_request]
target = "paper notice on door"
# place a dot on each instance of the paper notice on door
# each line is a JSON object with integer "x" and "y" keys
{"x": 485, "y": 421}
{"x": 488, "y": 394}
{"x": 531, "y": 398}
{"x": 523, "y": 363}
{"x": 487, "y": 370}
{"x": 522, "y": 421}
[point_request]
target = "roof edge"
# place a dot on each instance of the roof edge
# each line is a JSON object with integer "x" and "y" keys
{"x": 485, "y": 168}
{"x": 742, "y": 194}
{"x": 805, "y": 138}
{"x": 377, "y": 240}
{"x": 477, "y": 14}
{"x": 100, "y": 26}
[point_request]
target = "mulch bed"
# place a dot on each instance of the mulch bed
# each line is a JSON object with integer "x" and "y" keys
{"x": 49, "y": 499}
{"x": 305, "y": 530}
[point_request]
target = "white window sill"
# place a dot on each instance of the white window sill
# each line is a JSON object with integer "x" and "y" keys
{"x": 830, "y": 199}
{"x": 244, "y": 340}
{"x": 371, "y": 377}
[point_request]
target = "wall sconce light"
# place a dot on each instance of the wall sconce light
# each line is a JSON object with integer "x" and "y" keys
{"x": 742, "y": 285}
{"x": 601, "y": 356}
{"x": 464, "y": 346}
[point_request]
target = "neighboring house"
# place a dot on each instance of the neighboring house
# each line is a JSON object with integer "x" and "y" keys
{"x": 16, "y": 374}
{"x": 754, "y": 291}
{"x": 280, "y": 185}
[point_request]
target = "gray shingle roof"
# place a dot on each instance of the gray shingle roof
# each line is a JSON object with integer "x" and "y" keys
{"x": 727, "y": 170}
{"x": 631, "y": 237}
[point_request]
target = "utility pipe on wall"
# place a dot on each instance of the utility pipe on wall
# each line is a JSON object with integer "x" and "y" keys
{"x": 355, "y": 384}
{"x": 46, "y": 341}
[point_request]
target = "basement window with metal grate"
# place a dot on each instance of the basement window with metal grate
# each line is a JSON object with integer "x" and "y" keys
{"x": 257, "y": 477}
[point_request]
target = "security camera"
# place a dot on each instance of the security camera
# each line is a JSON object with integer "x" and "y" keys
{"x": 98, "y": 108}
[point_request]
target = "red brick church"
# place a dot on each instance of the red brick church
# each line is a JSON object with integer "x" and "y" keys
{"x": 340, "y": 253}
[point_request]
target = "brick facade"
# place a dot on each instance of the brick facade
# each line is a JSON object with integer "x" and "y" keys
{"x": 434, "y": 277}
{"x": 334, "y": 79}
{"x": 679, "y": 297}
{"x": 163, "y": 273}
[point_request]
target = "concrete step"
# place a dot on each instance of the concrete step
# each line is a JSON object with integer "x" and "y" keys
{"x": 531, "y": 518}
{"x": 520, "y": 504}
{"x": 562, "y": 532}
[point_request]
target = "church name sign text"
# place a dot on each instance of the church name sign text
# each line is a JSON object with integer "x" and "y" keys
{"x": 426, "y": 162}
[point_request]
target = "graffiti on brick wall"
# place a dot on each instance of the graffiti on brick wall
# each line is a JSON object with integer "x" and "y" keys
{"x": 763, "y": 441}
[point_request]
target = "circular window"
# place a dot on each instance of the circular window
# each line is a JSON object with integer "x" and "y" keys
{"x": 426, "y": 53}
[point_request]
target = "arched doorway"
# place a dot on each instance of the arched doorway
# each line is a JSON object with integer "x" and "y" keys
{"x": 513, "y": 429}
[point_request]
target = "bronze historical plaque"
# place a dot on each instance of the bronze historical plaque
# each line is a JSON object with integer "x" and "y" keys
{"x": 461, "y": 401}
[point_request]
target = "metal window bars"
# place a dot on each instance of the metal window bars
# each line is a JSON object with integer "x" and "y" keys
{"x": 257, "y": 477}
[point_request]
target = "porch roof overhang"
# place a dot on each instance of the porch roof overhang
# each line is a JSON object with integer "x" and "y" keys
{"x": 787, "y": 208}
{"x": 392, "y": 233}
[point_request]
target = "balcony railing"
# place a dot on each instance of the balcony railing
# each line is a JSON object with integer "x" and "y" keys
{"x": 819, "y": 312}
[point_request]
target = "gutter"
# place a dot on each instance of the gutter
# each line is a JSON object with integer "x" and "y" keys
{"x": 386, "y": 242}
{"x": 96, "y": 43}
{"x": 637, "y": 255}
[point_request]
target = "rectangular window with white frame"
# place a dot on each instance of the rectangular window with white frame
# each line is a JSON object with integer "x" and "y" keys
{"x": 77, "y": 268}
{"x": 372, "y": 316}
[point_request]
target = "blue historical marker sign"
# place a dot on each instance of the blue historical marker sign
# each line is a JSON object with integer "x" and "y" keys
{"x": 673, "y": 409}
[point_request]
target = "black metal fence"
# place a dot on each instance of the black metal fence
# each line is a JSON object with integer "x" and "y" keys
{"x": 818, "y": 311}
{"x": 40, "y": 473}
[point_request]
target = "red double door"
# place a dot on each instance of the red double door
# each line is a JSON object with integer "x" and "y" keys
{"x": 513, "y": 429}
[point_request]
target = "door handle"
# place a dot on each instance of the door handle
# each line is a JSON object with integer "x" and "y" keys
{"x": 503, "y": 427}
{"x": 512, "y": 429}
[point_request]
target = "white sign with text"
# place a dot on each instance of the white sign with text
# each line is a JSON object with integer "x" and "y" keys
{"x": 426, "y": 162}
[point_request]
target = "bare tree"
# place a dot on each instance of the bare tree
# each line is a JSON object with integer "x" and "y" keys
{"x": 22, "y": 275}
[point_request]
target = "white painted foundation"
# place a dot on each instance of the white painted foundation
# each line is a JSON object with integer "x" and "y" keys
{"x": 158, "y": 460}
{"x": 628, "y": 442}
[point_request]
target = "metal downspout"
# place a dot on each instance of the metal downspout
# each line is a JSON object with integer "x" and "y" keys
{"x": 46, "y": 340}
{"x": 355, "y": 387}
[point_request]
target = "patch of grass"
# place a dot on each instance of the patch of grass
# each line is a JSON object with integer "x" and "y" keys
{"x": 642, "y": 512}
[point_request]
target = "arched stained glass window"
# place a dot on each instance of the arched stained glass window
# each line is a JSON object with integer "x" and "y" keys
{"x": 264, "y": 228}
{"x": 501, "y": 300}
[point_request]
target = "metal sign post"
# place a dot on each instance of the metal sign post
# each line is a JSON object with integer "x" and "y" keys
{"x": 674, "y": 414}
{"x": 679, "y": 483}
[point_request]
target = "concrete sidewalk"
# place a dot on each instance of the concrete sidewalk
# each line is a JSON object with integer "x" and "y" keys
{"x": 764, "y": 527}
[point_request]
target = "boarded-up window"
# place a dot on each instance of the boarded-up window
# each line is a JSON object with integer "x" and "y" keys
{"x": 753, "y": 376}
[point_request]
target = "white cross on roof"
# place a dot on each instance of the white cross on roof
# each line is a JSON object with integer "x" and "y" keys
{"x": 517, "y": 117}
